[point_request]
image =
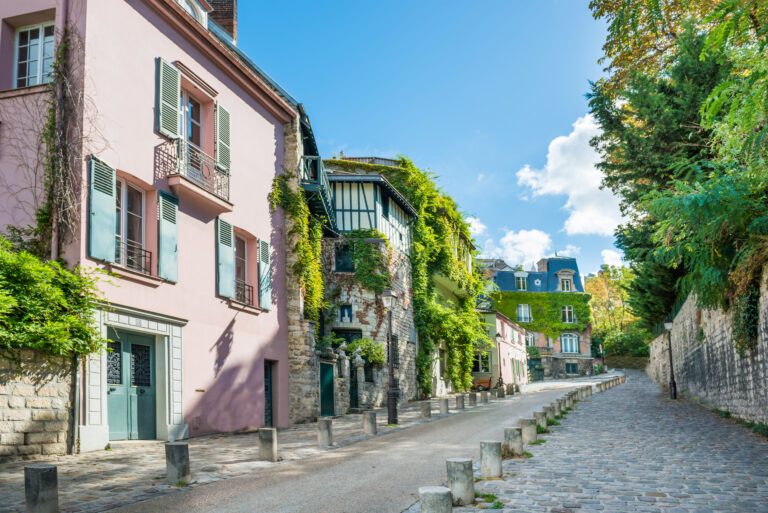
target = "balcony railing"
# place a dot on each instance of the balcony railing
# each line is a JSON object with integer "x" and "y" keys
{"x": 314, "y": 179}
{"x": 200, "y": 168}
{"x": 132, "y": 256}
{"x": 243, "y": 293}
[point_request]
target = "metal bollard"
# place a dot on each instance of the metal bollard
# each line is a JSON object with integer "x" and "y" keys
{"x": 461, "y": 480}
{"x": 41, "y": 488}
{"x": 490, "y": 459}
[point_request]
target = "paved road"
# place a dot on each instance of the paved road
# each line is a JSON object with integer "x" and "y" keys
{"x": 379, "y": 475}
{"x": 631, "y": 449}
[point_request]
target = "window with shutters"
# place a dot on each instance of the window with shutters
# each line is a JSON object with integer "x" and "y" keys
{"x": 130, "y": 250}
{"x": 33, "y": 56}
{"x": 243, "y": 290}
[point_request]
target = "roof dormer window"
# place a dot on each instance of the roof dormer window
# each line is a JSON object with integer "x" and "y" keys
{"x": 194, "y": 10}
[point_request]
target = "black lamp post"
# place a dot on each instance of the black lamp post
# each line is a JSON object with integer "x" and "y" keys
{"x": 388, "y": 298}
{"x": 672, "y": 384}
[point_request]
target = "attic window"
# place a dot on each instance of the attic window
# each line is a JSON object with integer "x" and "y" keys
{"x": 193, "y": 9}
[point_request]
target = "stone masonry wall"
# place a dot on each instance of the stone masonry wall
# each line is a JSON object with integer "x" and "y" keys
{"x": 708, "y": 369}
{"x": 372, "y": 321}
{"x": 35, "y": 407}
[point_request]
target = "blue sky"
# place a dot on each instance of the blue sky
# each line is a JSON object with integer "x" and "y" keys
{"x": 488, "y": 94}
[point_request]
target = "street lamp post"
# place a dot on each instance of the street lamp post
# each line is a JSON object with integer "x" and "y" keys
{"x": 388, "y": 298}
{"x": 672, "y": 384}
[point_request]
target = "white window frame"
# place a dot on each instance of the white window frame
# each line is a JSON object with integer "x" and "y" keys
{"x": 483, "y": 369}
{"x": 527, "y": 308}
{"x": 567, "y": 314}
{"x": 16, "y": 37}
{"x": 124, "y": 184}
{"x": 566, "y": 285}
{"x": 530, "y": 338}
{"x": 521, "y": 283}
{"x": 186, "y": 120}
{"x": 572, "y": 343}
{"x": 245, "y": 257}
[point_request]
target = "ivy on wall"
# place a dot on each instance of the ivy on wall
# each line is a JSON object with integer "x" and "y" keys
{"x": 546, "y": 310}
{"x": 371, "y": 263}
{"x": 456, "y": 327}
{"x": 308, "y": 249}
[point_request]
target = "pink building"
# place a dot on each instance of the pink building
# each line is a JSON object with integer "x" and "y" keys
{"x": 175, "y": 138}
{"x": 507, "y": 357}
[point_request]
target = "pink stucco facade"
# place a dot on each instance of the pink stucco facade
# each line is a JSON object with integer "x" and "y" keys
{"x": 213, "y": 349}
{"x": 507, "y": 356}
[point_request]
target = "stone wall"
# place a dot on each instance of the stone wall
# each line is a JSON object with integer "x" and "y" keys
{"x": 706, "y": 365}
{"x": 35, "y": 407}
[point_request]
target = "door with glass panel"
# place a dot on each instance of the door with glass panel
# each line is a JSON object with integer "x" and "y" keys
{"x": 131, "y": 384}
{"x": 198, "y": 168}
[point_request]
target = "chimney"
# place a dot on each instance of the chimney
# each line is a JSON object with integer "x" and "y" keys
{"x": 225, "y": 14}
{"x": 542, "y": 265}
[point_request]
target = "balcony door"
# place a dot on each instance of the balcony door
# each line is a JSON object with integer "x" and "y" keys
{"x": 191, "y": 125}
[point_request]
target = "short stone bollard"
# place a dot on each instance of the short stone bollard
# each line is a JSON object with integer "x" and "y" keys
{"x": 369, "y": 423}
{"x": 513, "y": 442}
{"x": 560, "y": 406}
{"x": 511, "y": 389}
{"x": 461, "y": 480}
{"x": 426, "y": 409}
{"x": 494, "y": 394}
{"x": 528, "y": 426}
{"x": 501, "y": 393}
{"x": 41, "y": 488}
{"x": 177, "y": 463}
{"x": 435, "y": 499}
{"x": 568, "y": 402}
{"x": 484, "y": 396}
{"x": 473, "y": 399}
{"x": 443, "y": 406}
{"x": 490, "y": 459}
{"x": 548, "y": 414}
{"x": 460, "y": 402}
{"x": 325, "y": 432}
{"x": 268, "y": 444}
{"x": 541, "y": 419}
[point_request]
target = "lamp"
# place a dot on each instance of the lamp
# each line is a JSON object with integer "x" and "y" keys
{"x": 672, "y": 383}
{"x": 668, "y": 323}
{"x": 388, "y": 298}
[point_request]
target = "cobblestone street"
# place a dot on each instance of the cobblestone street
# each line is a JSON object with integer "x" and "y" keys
{"x": 631, "y": 449}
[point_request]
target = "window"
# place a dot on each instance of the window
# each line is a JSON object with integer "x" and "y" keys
{"x": 347, "y": 335}
{"x": 571, "y": 368}
{"x": 566, "y": 284}
{"x": 569, "y": 343}
{"x": 524, "y": 313}
{"x": 530, "y": 338}
{"x": 384, "y": 206}
{"x": 34, "y": 54}
{"x": 482, "y": 362}
{"x": 345, "y": 313}
{"x": 191, "y": 119}
{"x": 243, "y": 291}
{"x": 521, "y": 283}
{"x": 344, "y": 263}
{"x": 567, "y": 314}
{"x": 129, "y": 228}
{"x": 368, "y": 371}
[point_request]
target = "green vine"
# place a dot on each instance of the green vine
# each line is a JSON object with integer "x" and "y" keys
{"x": 308, "y": 247}
{"x": 746, "y": 320}
{"x": 370, "y": 350}
{"x": 546, "y": 310}
{"x": 371, "y": 263}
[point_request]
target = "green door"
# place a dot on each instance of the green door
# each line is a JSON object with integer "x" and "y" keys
{"x": 131, "y": 386}
{"x": 326, "y": 389}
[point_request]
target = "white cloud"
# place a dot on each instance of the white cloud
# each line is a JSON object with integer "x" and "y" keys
{"x": 569, "y": 251}
{"x": 570, "y": 170}
{"x": 521, "y": 247}
{"x": 475, "y": 226}
{"x": 480, "y": 177}
{"x": 612, "y": 257}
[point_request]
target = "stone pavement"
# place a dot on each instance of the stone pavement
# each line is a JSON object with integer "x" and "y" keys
{"x": 135, "y": 471}
{"x": 631, "y": 449}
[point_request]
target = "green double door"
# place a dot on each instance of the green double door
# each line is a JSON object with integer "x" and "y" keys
{"x": 131, "y": 383}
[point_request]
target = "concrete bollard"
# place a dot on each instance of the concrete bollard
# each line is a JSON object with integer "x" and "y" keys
{"x": 494, "y": 394}
{"x": 41, "y": 488}
{"x": 511, "y": 389}
{"x": 528, "y": 427}
{"x": 435, "y": 499}
{"x": 443, "y": 406}
{"x": 460, "y": 402}
{"x": 268, "y": 444}
{"x": 490, "y": 459}
{"x": 568, "y": 402}
{"x": 582, "y": 394}
{"x": 484, "y": 396}
{"x": 473, "y": 399}
{"x": 426, "y": 409}
{"x": 369, "y": 423}
{"x": 501, "y": 393}
{"x": 461, "y": 480}
{"x": 560, "y": 406}
{"x": 513, "y": 442}
{"x": 548, "y": 414}
{"x": 325, "y": 432}
{"x": 177, "y": 462}
{"x": 540, "y": 418}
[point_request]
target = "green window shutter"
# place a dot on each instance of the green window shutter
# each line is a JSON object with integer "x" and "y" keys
{"x": 101, "y": 211}
{"x": 265, "y": 276}
{"x": 222, "y": 137}
{"x": 168, "y": 84}
{"x": 168, "y": 237}
{"x": 225, "y": 259}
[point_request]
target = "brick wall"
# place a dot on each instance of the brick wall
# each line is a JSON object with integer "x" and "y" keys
{"x": 35, "y": 407}
{"x": 707, "y": 368}
{"x": 225, "y": 14}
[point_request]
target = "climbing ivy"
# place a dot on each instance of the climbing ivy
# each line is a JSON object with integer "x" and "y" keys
{"x": 546, "y": 310}
{"x": 370, "y": 350}
{"x": 308, "y": 247}
{"x": 456, "y": 325}
{"x": 371, "y": 263}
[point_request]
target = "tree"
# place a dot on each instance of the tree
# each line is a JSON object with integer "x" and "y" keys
{"x": 609, "y": 297}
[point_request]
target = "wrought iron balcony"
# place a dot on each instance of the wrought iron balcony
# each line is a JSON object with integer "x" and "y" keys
{"x": 132, "y": 256}
{"x": 200, "y": 168}
{"x": 243, "y": 293}
{"x": 314, "y": 181}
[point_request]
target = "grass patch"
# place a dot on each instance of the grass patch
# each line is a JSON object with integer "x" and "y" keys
{"x": 759, "y": 428}
{"x": 551, "y": 422}
{"x": 486, "y": 496}
{"x": 539, "y": 442}
{"x": 722, "y": 413}
{"x": 497, "y": 505}
{"x": 568, "y": 408}
{"x": 527, "y": 454}
{"x": 182, "y": 483}
{"x": 108, "y": 447}
{"x": 540, "y": 430}
{"x": 558, "y": 417}
{"x": 393, "y": 425}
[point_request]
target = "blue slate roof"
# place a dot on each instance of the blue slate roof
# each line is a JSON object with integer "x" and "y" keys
{"x": 547, "y": 280}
